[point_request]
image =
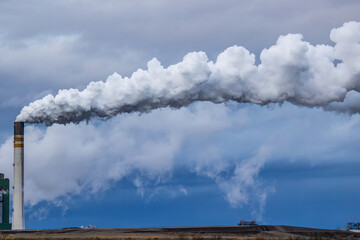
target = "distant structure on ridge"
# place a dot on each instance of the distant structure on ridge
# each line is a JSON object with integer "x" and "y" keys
{"x": 4, "y": 203}
{"x": 353, "y": 226}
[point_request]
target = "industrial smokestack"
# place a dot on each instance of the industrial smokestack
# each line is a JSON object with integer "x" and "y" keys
{"x": 18, "y": 222}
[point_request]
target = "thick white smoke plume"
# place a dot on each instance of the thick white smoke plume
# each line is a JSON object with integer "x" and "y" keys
{"x": 292, "y": 70}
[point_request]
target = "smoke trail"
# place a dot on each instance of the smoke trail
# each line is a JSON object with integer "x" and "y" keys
{"x": 292, "y": 70}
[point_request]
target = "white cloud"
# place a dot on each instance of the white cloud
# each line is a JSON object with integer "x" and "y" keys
{"x": 217, "y": 141}
{"x": 183, "y": 190}
{"x": 244, "y": 188}
{"x": 292, "y": 70}
{"x": 88, "y": 158}
{"x": 244, "y": 177}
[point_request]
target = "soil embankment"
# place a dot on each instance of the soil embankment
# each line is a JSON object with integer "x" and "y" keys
{"x": 191, "y": 233}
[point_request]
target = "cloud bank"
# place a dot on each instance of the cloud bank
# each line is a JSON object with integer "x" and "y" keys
{"x": 142, "y": 149}
{"x": 228, "y": 145}
{"x": 292, "y": 71}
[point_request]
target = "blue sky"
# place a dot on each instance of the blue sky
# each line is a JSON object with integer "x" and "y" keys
{"x": 205, "y": 164}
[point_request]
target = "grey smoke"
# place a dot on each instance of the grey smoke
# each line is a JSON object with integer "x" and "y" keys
{"x": 292, "y": 70}
{"x": 350, "y": 105}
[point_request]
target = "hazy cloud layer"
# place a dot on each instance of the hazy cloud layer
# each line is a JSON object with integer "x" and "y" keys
{"x": 44, "y": 63}
{"x": 142, "y": 147}
{"x": 227, "y": 144}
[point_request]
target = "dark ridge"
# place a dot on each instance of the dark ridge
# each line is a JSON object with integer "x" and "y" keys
{"x": 219, "y": 232}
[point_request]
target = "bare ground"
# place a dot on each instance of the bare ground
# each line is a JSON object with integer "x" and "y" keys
{"x": 183, "y": 233}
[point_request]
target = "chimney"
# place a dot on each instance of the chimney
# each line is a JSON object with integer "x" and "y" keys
{"x": 18, "y": 222}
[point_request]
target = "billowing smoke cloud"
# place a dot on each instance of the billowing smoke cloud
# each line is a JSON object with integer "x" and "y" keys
{"x": 292, "y": 70}
{"x": 147, "y": 153}
{"x": 233, "y": 147}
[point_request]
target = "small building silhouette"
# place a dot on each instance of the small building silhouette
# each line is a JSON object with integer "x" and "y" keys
{"x": 4, "y": 203}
